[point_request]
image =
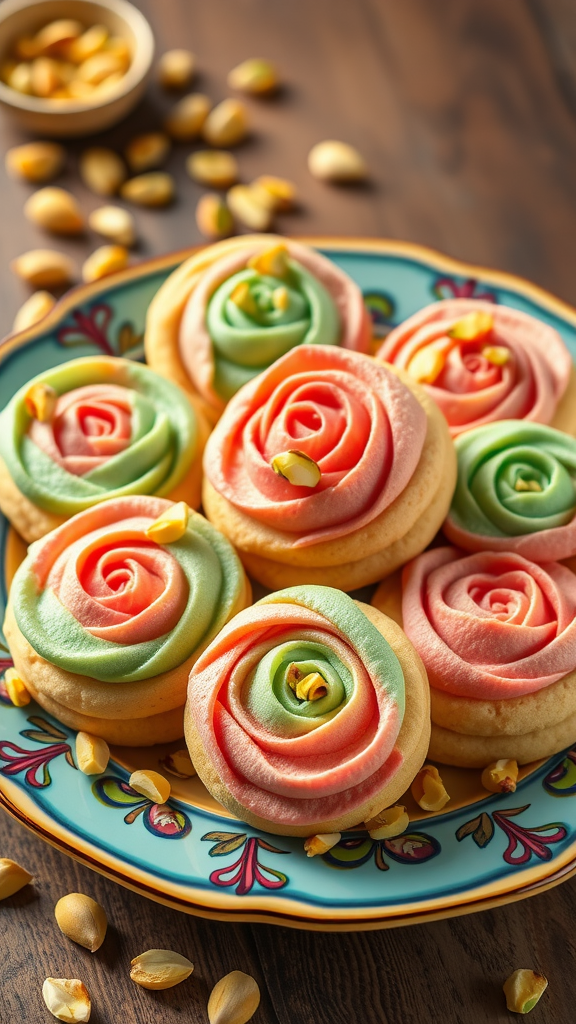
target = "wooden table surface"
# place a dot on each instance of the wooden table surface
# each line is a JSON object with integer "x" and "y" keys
{"x": 466, "y": 113}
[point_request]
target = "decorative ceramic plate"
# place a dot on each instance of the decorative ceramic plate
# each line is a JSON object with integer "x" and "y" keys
{"x": 190, "y": 853}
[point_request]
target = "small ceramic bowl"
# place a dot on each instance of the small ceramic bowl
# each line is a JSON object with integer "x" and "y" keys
{"x": 75, "y": 117}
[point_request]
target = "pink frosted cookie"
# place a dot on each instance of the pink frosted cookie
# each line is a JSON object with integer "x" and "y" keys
{"x": 483, "y": 362}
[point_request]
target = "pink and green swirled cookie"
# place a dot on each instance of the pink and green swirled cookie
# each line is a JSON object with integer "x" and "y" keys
{"x": 235, "y": 307}
{"x": 483, "y": 362}
{"x": 381, "y": 453}
{"x": 308, "y": 713}
{"x": 497, "y": 634}
{"x": 104, "y": 623}
{"x": 516, "y": 491}
{"x": 93, "y": 429}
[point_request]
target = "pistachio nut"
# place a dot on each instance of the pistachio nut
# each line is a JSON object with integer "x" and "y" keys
{"x": 13, "y": 877}
{"x": 16, "y": 688}
{"x": 501, "y": 776}
{"x": 428, "y": 789}
{"x": 114, "y": 223}
{"x": 20, "y": 79}
{"x": 213, "y": 167}
{"x": 108, "y": 259}
{"x": 388, "y": 823}
{"x": 40, "y": 402}
{"x": 171, "y": 525}
{"x": 318, "y": 845}
{"x": 226, "y": 125}
{"x": 156, "y": 188}
{"x": 251, "y": 205}
{"x": 145, "y": 152}
{"x": 283, "y": 192}
{"x": 473, "y": 326}
{"x": 44, "y": 268}
{"x": 297, "y": 468}
{"x": 54, "y": 37}
{"x": 102, "y": 170}
{"x": 176, "y": 69}
{"x": 160, "y": 968}
{"x": 336, "y": 161}
{"x": 184, "y": 122}
{"x": 45, "y": 76}
{"x": 273, "y": 262}
{"x": 213, "y": 217}
{"x": 67, "y": 999}
{"x": 256, "y": 76}
{"x": 100, "y": 66}
{"x": 87, "y": 44}
{"x": 427, "y": 364}
{"x": 82, "y": 920}
{"x": 55, "y": 210}
{"x": 150, "y": 784}
{"x": 234, "y": 999}
{"x": 35, "y": 161}
{"x": 523, "y": 990}
{"x": 92, "y": 753}
{"x": 33, "y": 310}
{"x": 498, "y": 355}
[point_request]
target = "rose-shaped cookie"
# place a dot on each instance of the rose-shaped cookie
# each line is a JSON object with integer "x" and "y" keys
{"x": 516, "y": 491}
{"x": 93, "y": 429}
{"x": 308, "y": 713}
{"x": 104, "y": 623}
{"x": 481, "y": 363}
{"x": 235, "y": 307}
{"x": 372, "y": 476}
{"x": 497, "y": 634}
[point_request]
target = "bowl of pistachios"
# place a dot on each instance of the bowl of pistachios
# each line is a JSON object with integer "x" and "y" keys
{"x": 72, "y": 67}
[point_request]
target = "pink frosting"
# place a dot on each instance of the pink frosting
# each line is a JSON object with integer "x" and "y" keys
{"x": 119, "y": 585}
{"x": 491, "y": 625}
{"x": 472, "y": 391}
{"x": 90, "y": 425}
{"x": 363, "y": 427}
{"x": 195, "y": 342}
{"x": 297, "y": 779}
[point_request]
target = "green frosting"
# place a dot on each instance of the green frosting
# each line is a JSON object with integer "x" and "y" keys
{"x": 267, "y": 692}
{"x": 162, "y": 448}
{"x": 245, "y": 345}
{"x": 493, "y": 461}
{"x": 214, "y": 576}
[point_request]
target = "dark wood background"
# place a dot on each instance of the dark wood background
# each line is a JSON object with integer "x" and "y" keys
{"x": 466, "y": 112}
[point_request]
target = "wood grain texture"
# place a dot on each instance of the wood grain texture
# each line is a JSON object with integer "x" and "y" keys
{"x": 465, "y": 111}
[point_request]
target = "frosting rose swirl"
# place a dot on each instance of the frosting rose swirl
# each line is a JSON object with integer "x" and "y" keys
{"x": 352, "y": 416}
{"x": 97, "y": 598}
{"x": 288, "y": 759}
{"x": 516, "y": 491}
{"x": 237, "y": 306}
{"x": 490, "y": 625}
{"x": 117, "y": 429}
{"x": 512, "y": 366}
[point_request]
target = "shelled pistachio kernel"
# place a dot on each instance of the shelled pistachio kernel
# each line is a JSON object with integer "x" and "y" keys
{"x": 184, "y": 122}
{"x": 144, "y": 152}
{"x": 297, "y": 468}
{"x": 283, "y": 192}
{"x": 226, "y": 125}
{"x": 13, "y": 877}
{"x": 523, "y": 990}
{"x": 213, "y": 167}
{"x": 114, "y": 223}
{"x": 255, "y": 76}
{"x": 391, "y": 822}
{"x": 107, "y": 259}
{"x": 33, "y": 310}
{"x": 150, "y": 784}
{"x": 158, "y": 969}
{"x": 426, "y": 364}
{"x": 336, "y": 161}
{"x": 319, "y": 845}
{"x": 40, "y": 403}
{"x": 171, "y": 525}
{"x": 56, "y": 36}
{"x": 179, "y": 763}
{"x": 92, "y": 753}
{"x": 500, "y": 776}
{"x": 428, "y": 789}
{"x": 20, "y": 79}
{"x": 497, "y": 355}
{"x": 176, "y": 69}
{"x": 251, "y": 205}
{"x": 82, "y": 920}
{"x": 35, "y": 161}
{"x": 234, "y": 999}
{"x": 473, "y": 326}
{"x": 44, "y": 268}
{"x": 16, "y": 688}
{"x": 45, "y": 77}
{"x": 213, "y": 217}
{"x": 102, "y": 170}
{"x": 55, "y": 210}
{"x": 101, "y": 65}
{"x": 272, "y": 262}
{"x": 87, "y": 44}
{"x": 156, "y": 188}
{"x": 67, "y": 999}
